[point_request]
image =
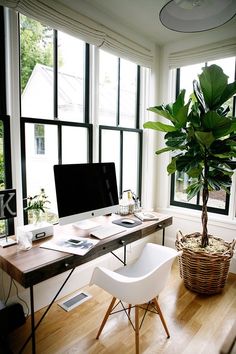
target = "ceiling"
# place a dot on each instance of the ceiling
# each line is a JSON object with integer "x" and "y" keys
{"x": 138, "y": 16}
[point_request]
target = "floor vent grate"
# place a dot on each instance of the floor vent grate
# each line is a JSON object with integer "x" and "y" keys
{"x": 75, "y": 300}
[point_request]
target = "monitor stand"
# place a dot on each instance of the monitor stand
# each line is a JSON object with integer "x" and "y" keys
{"x": 86, "y": 224}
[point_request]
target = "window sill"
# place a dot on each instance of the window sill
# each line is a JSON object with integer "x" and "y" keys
{"x": 220, "y": 220}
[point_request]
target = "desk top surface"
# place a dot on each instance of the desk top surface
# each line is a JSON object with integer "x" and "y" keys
{"x": 38, "y": 264}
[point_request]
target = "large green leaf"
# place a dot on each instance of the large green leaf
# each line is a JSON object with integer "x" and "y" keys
{"x": 176, "y": 112}
{"x": 162, "y": 111}
{"x": 213, "y": 83}
{"x": 217, "y": 168}
{"x": 219, "y": 181}
{"x": 194, "y": 117}
{"x": 219, "y": 125}
{"x": 193, "y": 189}
{"x": 195, "y": 172}
{"x": 228, "y": 92}
{"x": 176, "y": 139}
{"x": 158, "y": 152}
{"x": 185, "y": 163}
{"x": 233, "y": 126}
{"x": 181, "y": 116}
{"x": 171, "y": 168}
{"x": 179, "y": 103}
{"x": 205, "y": 138}
{"x": 159, "y": 126}
{"x": 220, "y": 147}
{"x": 199, "y": 96}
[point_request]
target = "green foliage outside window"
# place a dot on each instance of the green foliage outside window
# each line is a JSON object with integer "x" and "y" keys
{"x": 35, "y": 47}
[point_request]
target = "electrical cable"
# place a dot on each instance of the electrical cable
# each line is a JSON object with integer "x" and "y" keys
{"x": 22, "y": 300}
{"x": 9, "y": 291}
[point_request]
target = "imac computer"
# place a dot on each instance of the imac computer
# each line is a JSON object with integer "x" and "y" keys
{"x": 85, "y": 190}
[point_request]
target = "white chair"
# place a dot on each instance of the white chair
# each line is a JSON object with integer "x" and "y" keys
{"x": 138, "y": 283}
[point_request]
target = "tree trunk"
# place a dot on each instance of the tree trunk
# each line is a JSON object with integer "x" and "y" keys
{"x": 205, "y": 196}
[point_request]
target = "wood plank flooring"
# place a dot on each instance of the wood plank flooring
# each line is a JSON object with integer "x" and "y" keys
{"x": 197, "y": 324}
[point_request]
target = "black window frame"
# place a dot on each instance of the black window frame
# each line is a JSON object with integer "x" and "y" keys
{"x": 126, "y": 129}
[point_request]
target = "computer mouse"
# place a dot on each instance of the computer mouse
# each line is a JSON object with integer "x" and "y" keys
{"x": 127, "y": 221}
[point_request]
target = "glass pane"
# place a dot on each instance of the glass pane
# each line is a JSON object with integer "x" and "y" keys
{"x": 187, "y": 75}
{"x": 111, "y": 138}
{"x": 36, "y": 74}
{"x": 182, "y": 181}
{"x": 130, "y": 161}
{"x": 39, "y": 139}
{"x": 217, "y": 199}
{"x": 74, "y": 145}
{"x": 108, "y": 88}
{"x": 128, "y": 93}
{"x": 71, "y": 53}
{"x": 39, "y": 168}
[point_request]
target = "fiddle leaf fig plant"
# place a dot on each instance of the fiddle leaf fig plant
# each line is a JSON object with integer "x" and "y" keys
{"x": 201, "y": 134}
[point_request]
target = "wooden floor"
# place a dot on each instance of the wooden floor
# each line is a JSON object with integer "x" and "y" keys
{"x": 197, "y": 324}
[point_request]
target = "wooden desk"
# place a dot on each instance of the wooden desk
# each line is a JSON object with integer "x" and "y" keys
{"x": 38, "y": 264}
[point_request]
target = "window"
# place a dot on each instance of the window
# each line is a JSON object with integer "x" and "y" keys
{"x": 120, "y": 138}
{"x": 218, "y": 200}
{"x": 56, "y": 123}
{"x": 54, "y": 111}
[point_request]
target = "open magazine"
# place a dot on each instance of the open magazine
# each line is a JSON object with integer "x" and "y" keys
{"x": 74, "y": 245}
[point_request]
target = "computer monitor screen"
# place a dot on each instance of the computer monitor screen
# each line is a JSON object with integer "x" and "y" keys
{"x": 85, "y": 190}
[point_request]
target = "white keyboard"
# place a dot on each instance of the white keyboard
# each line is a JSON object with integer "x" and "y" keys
{"x": 107, "y": 230}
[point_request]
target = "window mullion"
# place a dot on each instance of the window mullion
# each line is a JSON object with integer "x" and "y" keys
{"x": 138, "y": 99}
{"x": 55, "y": 75}
{"x": 118, "y": 96}
{"x": 121, "y": 159}
{"x": 86, "y": 83}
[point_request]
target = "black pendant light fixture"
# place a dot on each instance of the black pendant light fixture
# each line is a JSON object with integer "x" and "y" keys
{"x": 196, "y": 15}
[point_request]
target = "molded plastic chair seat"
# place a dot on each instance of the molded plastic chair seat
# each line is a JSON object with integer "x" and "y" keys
{"x": 138, "y": 283}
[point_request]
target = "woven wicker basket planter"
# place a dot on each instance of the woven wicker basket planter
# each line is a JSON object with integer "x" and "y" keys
{"x": 202, "y": 272}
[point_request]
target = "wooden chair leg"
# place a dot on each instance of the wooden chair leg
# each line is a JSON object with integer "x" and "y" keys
{"x": 106, "y": 316}
{"x": 136, "y": 330}
{"x": 161, "y": 317}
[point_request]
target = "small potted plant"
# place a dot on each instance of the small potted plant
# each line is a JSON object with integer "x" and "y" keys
{"x": 37, "y": 206}
{"x": 201, "y": 134}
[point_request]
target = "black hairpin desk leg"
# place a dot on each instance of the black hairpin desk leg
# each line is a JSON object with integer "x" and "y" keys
{"x": 32, "y": 336}
{"x": 163, "y": 236}
{"x": 32, "y": 319}
{"x": 123, "y": 261}
{"x": 33, "y": 327}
